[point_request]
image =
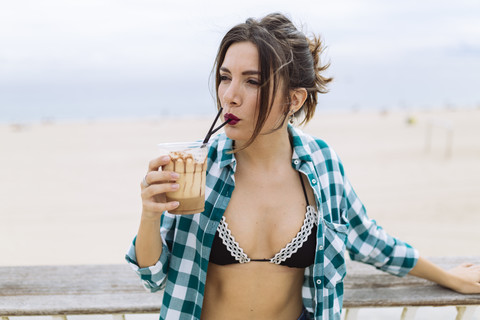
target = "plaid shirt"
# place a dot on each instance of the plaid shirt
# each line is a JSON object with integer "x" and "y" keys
{"x": 343, "y": 225}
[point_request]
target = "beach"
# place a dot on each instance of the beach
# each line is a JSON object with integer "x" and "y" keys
{"x": 70, "y": 190}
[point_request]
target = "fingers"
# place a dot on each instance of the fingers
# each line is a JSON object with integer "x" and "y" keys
{"x": 470, "y": 266}
{"x": 154, "y": 200}
{"x": 155, "y": 177}
{"x": 159, "y": 206}
{"x": 157, "y": 189}
{"x": 156, "y": 163}
{"x": 466, "y": 265}
{"x": 154, "y": 186}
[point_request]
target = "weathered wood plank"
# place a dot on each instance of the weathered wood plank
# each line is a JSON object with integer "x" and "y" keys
{"x": 80, "y": 304}
{"x": 367, "y": 287}
{"x": 79, "y": 289}
{"x": 115, "y": 289}
{"x": 70, "y": 279}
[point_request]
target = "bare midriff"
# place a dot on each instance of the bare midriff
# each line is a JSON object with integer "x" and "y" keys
{"x": 255, "y": 290}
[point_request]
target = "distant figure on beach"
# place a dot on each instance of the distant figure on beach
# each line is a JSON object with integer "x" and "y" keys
{"x": 280, "y": 213}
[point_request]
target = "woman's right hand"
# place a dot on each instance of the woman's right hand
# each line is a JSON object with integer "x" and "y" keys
{"x": 159, "y": 182}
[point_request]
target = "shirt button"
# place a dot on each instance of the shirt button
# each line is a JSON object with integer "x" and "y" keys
{"x": 319, "y": 281}
{"x": 296, "y": 162}
{"x": 320, "y": 247}
{"x": 314, "y": 181}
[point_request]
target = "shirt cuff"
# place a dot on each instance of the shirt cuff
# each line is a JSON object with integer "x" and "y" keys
{"x": 153, "y": 277}
{"x": 401, "y": 262}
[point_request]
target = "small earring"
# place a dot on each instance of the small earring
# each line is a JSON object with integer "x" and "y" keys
{"x": 291, "y": 119}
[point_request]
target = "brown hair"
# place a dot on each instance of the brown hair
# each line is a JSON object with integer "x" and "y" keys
{"x": 285, "y": 55}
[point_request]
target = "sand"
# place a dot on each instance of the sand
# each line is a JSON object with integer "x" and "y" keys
{"x": 70, "y": 191}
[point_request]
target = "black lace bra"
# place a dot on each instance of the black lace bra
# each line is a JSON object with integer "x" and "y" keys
{"x": 298, "y": 253}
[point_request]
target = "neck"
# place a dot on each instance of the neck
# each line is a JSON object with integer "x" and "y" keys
{"x": 267, "y": 151}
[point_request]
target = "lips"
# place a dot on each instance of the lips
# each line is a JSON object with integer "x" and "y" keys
{"x": 232, "y": 119}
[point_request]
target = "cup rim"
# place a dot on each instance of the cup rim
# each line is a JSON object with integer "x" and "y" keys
{"x": 181, "y": 143}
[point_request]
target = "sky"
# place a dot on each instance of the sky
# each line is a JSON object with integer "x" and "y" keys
{"x": 62, "y": 59}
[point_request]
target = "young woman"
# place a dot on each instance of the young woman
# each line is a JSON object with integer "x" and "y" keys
{"x": 279, "y": 213}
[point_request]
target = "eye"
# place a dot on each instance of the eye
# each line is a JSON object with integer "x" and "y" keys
{"x": 254, "y": 82}
{"x": 224, "y": 77}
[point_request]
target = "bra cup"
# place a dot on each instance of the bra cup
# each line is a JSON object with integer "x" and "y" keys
{"x": 219, "y": 253}
{"x": 298, "y": 253}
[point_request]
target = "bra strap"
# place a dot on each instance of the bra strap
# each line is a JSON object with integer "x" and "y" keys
{"x": 303, "y": 187}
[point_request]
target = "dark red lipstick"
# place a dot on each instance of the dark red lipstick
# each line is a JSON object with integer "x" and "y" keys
{"x": 232, "y": 119}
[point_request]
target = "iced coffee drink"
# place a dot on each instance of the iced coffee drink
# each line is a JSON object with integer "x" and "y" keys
{"x": 189, "y": 160}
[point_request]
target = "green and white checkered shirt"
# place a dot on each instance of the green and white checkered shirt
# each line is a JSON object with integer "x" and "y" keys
{"x": 343, "y": 225}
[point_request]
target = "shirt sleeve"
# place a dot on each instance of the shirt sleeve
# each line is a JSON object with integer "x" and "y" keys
{"x": 369, "y": 243}
{"x": 154, "y": 277}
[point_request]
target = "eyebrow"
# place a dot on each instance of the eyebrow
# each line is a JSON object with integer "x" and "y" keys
{"x": 245, "y": 73}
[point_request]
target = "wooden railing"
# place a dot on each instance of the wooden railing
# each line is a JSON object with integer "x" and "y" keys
{"x": 58, "y": 291}
{"x": 366, "y": 287}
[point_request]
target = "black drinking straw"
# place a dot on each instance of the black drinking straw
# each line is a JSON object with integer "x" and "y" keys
{"x": 220, "y": 126}
{"x": 212, "y": 131}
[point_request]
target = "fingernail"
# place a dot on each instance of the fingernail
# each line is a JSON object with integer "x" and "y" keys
{"x": 175, "y": 204}
{"x": 175, "y": 186}
{"x": 175, "y": 175}
{"x": 166, "y": 158}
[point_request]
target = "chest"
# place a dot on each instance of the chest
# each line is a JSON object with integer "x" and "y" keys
{"x": 266, "y": 212}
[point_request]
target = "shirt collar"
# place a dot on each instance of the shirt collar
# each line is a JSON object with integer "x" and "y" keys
{"x": 300, "y": 149}
{"x": 226, "y": 157}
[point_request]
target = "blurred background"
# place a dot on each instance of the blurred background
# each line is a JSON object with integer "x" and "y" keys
{"x": 119, "y": 59}
{"x": 88, "y": 88}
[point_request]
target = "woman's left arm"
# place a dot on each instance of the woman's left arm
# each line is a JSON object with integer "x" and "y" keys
{"x": 464, "y": 278}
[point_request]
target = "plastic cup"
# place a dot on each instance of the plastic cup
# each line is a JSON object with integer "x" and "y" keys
{"x": 189, "y": 160}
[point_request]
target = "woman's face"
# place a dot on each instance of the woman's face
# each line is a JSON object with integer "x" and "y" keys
{"x": 239, "y": 92}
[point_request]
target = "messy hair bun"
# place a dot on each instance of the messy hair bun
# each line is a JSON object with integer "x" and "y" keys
{"x": 319, "y": 84}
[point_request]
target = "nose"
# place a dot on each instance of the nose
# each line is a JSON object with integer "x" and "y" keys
{"x": 231, "y": 94}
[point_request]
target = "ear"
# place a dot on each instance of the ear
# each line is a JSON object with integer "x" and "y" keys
{"x": 297, "y": 98}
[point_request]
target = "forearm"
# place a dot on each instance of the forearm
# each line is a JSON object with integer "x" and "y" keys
{"x": 148, "y": 246}
{"x": 464, "y": 278}
{"x": 430, "y": 271}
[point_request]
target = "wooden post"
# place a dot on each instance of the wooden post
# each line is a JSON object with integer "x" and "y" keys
{"x": 447, "y": 125}
{"x": 449, "y": 146}
{"x": 351, "y": 314}
{"x": 428, "y": 137}
{"x": 409, "y": 313}
{"x": 465, "y": 312}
